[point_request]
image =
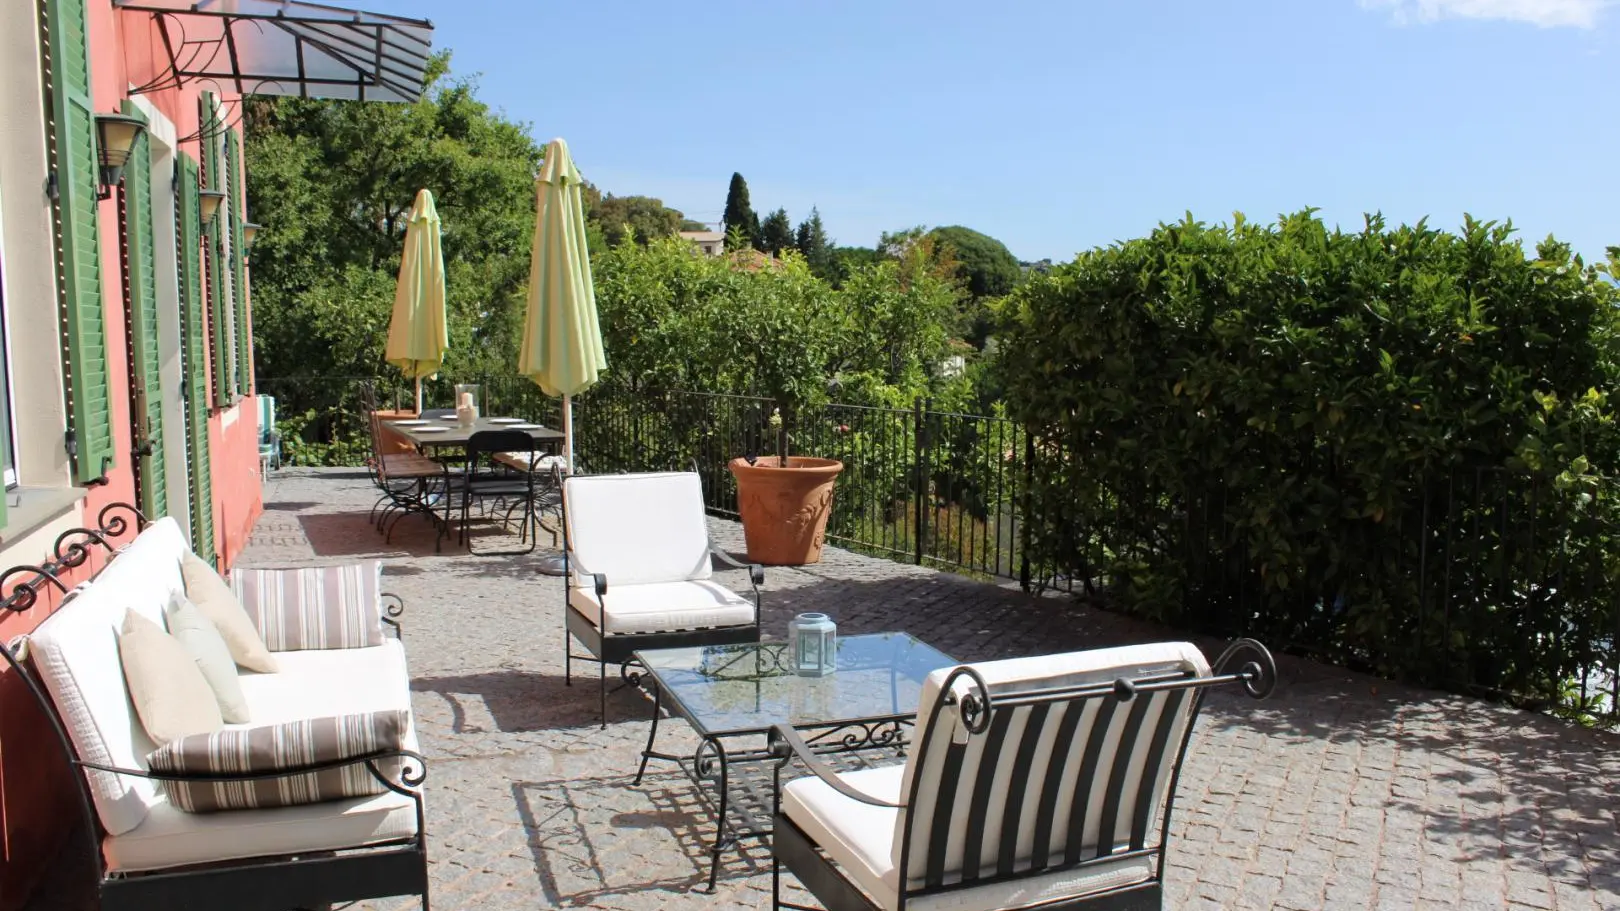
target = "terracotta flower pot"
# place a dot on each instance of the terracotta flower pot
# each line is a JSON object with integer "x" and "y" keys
{"x": 784, "y": 510}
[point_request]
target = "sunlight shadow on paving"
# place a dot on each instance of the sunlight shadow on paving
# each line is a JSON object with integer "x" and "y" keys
{"x": 596, "y": 838}
{"x": 517, "y": 701}
{"x": 350, "y": 534}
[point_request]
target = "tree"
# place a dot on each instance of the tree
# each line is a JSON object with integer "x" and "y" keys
{"x": 333, "y": 183}
{"x": 776, "y": 233}
{"x": 740, "y": 215}
{"x": 847, "y": 259}
{"x": 987, "y": 266}
{"x": 644, "y": 217}
{"x": 815, "y": 247}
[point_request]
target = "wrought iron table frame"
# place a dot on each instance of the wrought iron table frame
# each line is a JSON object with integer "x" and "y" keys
{"x": 739, "y": 798}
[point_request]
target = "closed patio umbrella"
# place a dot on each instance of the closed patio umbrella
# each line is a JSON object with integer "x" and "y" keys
{"x": 417, "y": 334}
{"x": 562, "y": 342}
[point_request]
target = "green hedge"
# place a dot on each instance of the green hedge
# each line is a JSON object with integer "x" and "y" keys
{"x": 1392, "y": 447}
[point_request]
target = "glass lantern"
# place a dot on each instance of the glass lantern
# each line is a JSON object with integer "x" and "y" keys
{"x": 814, "y": 638}
{"x": 466, "y": 404}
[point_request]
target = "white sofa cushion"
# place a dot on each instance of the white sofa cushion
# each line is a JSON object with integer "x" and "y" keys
{"x": 170, "y": 837}
{"x": 214, "y": 597}
{"x": 860, "y": 837}
{"x": 663, "y": 607}
{"x": 207, "y": 647}
{"x": 1022, "y": 674}
{"x": 76, "y": 653}
{"x": 171, "y": 696}
{"x": 312, "y": 684}
{"x": 638, "y": 528}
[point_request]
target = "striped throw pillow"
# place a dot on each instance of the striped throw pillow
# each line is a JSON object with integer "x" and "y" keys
{"x": 273, "y": 747}
{"x": 314, "y": 608}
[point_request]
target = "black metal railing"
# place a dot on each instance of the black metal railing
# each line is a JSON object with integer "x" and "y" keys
{"x": 930, "y": 487}
{"x": 1482, "y": 577}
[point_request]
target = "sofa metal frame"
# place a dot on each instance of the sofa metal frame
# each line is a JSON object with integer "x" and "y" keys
{"x": 1245, "y": 662}
{"x": 618, "y": 648}
{"x": 251, "y": 884}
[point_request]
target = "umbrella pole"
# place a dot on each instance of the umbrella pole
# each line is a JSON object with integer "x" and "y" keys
{"x": 568, "y": 434}
{"x": 418, "y": 396}
{"x": 556, "y": 564}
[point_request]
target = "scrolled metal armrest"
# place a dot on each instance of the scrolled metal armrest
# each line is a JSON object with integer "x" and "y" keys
{"x": 785, "y": 744}
{"x": 407, "y": 777}
{"x": 756, "y": 572}
{"x": 392, "y": 607}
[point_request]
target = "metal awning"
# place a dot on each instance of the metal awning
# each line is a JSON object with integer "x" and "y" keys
{"x": 288, "y": 47}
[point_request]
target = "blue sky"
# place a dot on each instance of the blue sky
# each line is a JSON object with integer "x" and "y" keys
{"x": 1060, "y": 125}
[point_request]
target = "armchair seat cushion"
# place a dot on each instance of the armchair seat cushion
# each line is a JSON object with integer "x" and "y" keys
{"x": 661, "y": 607}
{"x": 859, "y": 837}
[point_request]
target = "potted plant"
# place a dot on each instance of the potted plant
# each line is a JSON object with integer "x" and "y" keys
{"x": 785, "y": 335}
{"x": 784, "y": 502}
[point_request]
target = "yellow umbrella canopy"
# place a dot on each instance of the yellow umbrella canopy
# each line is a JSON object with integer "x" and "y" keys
{"x": 562, "y": 341}
{"x": 417, "y": 334}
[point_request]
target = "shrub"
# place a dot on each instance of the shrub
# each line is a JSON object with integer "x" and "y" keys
{"x": 1393, "y": 447}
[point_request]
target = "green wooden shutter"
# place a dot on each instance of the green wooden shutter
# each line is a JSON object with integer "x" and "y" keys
{"x": 244, "y": 344}
{"x": 78, "y": 242}
{"x": 214, "y": 254}
{"x": 140, "y": 264}
{"x": 194, "y": 349}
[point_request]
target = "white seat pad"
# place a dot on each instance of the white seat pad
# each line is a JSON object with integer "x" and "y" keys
{"x": 859, "y": 837}
{"x": 169, "y": 837}
{"x": 658, "y": 607}
{"x": 317, "y": 683}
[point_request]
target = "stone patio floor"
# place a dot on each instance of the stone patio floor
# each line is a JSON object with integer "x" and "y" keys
{"x": 1341, "y": 791}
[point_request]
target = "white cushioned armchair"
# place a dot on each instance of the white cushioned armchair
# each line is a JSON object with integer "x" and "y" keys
{"x": 1043, "y": 782}
{"x": 639, "y": 571}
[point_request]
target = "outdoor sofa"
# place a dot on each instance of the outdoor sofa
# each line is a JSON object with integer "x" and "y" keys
{"x": 325, "y": 632}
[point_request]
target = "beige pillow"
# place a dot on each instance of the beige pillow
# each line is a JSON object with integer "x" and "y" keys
{"x": 213, "y": 596}
{"x": 170, "y": 694}
{"x": 207, "y": 647}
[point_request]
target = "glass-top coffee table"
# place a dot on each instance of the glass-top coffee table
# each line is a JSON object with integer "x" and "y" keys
{"x": 732, "y": 695}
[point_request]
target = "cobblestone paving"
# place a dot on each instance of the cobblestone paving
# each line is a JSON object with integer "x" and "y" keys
{"x": 1341, "y": 791}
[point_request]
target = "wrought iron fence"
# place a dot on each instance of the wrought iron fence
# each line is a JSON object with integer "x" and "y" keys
{"x": 1485, "y": 574}
{"x": 930, "y": 487}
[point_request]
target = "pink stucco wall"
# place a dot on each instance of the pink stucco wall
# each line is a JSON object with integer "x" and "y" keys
{"x": 37, "y": 808}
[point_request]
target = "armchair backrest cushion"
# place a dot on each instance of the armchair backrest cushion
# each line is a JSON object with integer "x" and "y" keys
{"x": 267, "y": 417}
{"x": 1046, "y": 784}
{"x": 638, "y": 528}
{"x": 76, "y": 654}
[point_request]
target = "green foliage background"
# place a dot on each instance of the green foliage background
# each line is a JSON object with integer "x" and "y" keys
{"x": 1394, "y": 446}
{"x": 332, "y": 184}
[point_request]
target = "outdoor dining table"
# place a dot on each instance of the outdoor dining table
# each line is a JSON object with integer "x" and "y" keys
{"x": 427, "y": 434}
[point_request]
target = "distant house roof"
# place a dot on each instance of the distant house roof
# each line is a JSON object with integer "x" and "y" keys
{"x": 704, "y": 237}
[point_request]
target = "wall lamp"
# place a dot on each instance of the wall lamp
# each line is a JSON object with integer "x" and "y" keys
{"x": 209, "y": 200}
{"x": 249, "y": 230}
{"x": 115, "y": 135}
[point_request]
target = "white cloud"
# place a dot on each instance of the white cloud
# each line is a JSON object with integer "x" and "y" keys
{"x": 1582, "y": 14}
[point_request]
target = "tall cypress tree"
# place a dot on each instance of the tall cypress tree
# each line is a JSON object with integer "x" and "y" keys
{"x": 740, "y": 215}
